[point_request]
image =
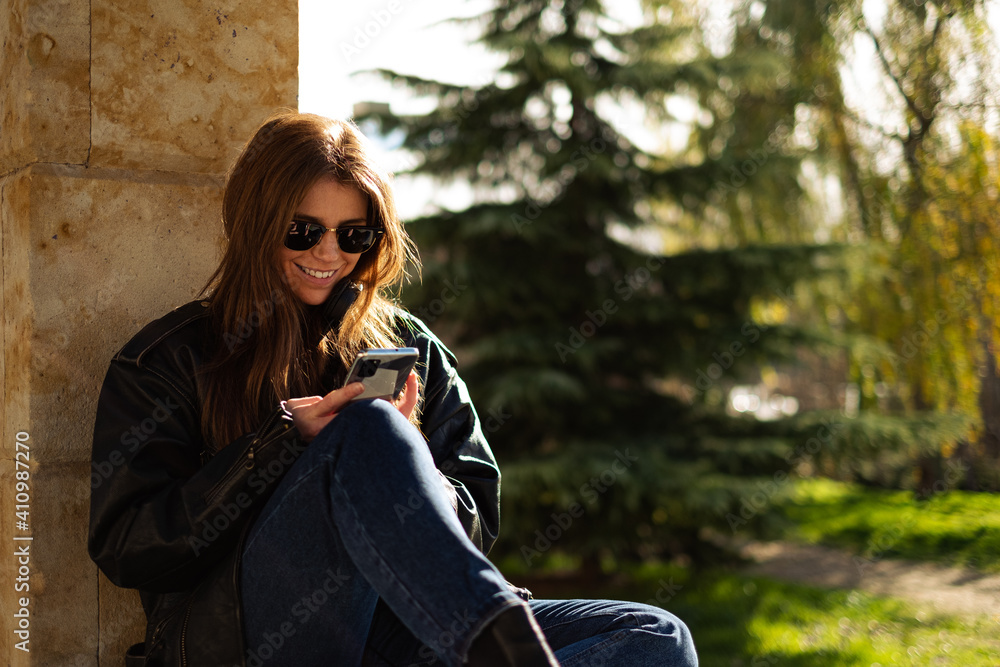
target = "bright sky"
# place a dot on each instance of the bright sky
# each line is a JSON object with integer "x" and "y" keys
{"x": 339, "y": 40}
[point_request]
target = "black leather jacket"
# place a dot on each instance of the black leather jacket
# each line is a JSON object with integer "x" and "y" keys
{"x": 169, "y": 514}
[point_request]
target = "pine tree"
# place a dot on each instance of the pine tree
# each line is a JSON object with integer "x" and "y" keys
{"x": 600, "y": 363}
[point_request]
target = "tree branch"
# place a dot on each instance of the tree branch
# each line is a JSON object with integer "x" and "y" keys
{"x": 896, "y": 79}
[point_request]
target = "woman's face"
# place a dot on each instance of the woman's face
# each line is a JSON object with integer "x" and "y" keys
{"x": 313, "y": 273}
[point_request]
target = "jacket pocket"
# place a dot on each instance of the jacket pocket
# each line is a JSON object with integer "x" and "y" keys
{"x": 164, "y": 647}
{"x": 275, "y": 428}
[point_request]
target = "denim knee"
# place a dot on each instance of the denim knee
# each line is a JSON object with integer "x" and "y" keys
{"x": 372, "y": 407}
{"x": 675, "y": 637}
{"x": 364, "y": 423}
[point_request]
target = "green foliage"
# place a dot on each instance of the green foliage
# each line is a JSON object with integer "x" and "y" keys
{"x": 954, "y": 527}
{"x": 634, "y": 499}
{"x": 872, "y": 448}
{"x": 738, "y": 621}
{"x": 917, "y": 176}
{"x": 603, "y": 297}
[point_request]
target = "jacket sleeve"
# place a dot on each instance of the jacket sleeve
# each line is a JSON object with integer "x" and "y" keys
{"x": 455, "y": 437}
{"x": 160, "y": 516}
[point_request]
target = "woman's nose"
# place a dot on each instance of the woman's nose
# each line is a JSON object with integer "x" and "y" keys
{"x": 327, "y": 247}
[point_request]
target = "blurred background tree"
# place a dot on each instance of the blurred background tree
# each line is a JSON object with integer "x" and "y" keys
{"x": 651, "y": 247}
{"x": 908, "y": 159}
{"x": 920, "y": 184}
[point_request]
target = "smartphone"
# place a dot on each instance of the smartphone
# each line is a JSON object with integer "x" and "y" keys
{"x": 383, "y": 372}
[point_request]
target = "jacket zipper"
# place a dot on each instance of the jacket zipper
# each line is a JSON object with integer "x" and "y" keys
{"x": 184, "y": 627}
{"x": 246, "y": 462}
{"x": 156, "y": 635}
{"x": 161, "y": 626}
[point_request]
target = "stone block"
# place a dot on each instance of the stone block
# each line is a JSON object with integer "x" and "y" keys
{"x": 94, "y": 255}
{"x": 15, "y": 72}
{"x": 180, "y": 85}
{"x": 58, "y": 41}
{"x": 64, "y": 626}
{"x": 15, "y": 213}
{"x": 108, "y": 254}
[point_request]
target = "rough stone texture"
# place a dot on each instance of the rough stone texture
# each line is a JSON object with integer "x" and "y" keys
{"x": 140, "y": 248}
{"x": 180, "y": 85}
{"x": 58, "y": 41}
{"x": 15, "y": 73}
{"x": 110, "y": 191}
{"x": 14, "y": 214}
{"x": 64, "y": 627}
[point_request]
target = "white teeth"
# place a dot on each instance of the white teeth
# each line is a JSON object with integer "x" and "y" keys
{"x": 316, "y": 274}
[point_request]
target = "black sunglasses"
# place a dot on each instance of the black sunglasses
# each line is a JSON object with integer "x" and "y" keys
{"x": 352, "y": 240}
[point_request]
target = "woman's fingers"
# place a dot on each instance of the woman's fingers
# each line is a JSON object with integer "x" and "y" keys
{"x": 294, "y": 403}
{"x": 337, "y": 399}
{"x": 312, "y": 413}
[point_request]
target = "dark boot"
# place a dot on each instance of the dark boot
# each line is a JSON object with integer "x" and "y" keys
{"x": 512, "y": 639}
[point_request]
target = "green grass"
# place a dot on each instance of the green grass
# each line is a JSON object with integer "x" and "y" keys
{"x": 955, "y": 527}
{"x": 740, "y": 621}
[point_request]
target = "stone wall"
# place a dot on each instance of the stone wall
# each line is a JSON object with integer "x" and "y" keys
{"x": 117, "y": 123}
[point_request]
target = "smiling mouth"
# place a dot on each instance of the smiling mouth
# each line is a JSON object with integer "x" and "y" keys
{"x": 316, "y": 274}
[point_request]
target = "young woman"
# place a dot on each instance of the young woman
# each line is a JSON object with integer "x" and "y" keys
{"x": 267, "y": 519}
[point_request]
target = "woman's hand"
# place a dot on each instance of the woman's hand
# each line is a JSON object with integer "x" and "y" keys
{"x": 312, "y": 413}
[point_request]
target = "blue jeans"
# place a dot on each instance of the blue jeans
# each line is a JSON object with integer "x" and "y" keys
{"x": 334, "y": 574}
